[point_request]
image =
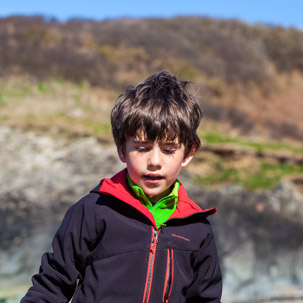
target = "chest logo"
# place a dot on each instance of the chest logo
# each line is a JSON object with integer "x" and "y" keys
{"x": 180, "y": 237}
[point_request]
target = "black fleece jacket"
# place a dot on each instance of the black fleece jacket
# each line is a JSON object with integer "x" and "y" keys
{"x": 109, "y": 250}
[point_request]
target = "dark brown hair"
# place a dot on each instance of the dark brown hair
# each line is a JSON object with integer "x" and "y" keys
{"x": 162, "y": 108}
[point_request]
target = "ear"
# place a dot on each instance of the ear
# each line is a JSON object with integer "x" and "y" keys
{"x": 121, "y": 155}
{"x": 188, "y": 158}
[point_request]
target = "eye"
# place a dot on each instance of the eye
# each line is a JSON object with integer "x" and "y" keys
{"x": 169, "y": 150}
{"x": 142, "y": 148}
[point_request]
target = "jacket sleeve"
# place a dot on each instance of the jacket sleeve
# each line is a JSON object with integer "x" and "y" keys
{"x": 207, "y": 284}
{"x": 59, "y": 271}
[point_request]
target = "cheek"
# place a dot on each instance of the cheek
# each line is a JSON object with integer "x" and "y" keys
{"x": 175, "y": 168}
{"x": 133, "y": 159}
{"x": 134, "y": 164}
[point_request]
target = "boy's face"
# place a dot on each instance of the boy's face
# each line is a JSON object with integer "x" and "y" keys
{"x": 154, "y": 165}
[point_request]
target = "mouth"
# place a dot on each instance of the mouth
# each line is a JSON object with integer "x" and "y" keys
{"x": 152, "y": 177}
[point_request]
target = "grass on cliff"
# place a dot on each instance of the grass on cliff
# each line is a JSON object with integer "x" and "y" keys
{"x": 60, "y": 108}
{"x": 216, "y": 138}
{"x": 56, "y": 107}
{"x": 252, "y": 164}
{"x": 264, "y": 175}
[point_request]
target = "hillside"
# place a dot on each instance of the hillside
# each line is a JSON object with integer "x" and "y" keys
{"x": 63, "y": 78}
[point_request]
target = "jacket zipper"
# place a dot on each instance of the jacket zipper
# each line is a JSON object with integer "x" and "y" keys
{"x": 169, "y": 275}
{"x": 151, "y": 261}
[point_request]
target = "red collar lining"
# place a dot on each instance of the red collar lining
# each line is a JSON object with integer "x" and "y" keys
{"x": 117, "y": 187}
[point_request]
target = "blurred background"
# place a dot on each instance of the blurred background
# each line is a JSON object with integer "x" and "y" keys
{"x": 63, "y": 64}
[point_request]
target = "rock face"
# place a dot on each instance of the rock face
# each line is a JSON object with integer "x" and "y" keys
{"x": 40, "y": 178}
{"x": 259, "y": 239}
{"x": 259, "y": 234}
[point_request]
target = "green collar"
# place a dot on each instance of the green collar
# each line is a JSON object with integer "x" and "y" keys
{"x": 162, "y": 209}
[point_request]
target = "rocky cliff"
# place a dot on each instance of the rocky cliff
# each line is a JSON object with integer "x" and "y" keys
{"x": 259, "y": 234}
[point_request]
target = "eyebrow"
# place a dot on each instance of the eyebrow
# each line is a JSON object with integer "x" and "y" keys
{"x": 170, "y": 143}
{"x": 141, "y": 141}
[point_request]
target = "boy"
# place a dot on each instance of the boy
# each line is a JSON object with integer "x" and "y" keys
{"x": 137, "y": 237}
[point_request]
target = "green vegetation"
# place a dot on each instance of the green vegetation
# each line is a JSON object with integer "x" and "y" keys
{"x": 264, "y": 176}
{"x": 253, "y": 172}
{"x": 1, "y": 100}
{"x": 56, "y": 107}
{"x": 270, "y": 174}
{"x": 41, "y": 87}
{"x": 4, "y": 118}
{"x": 215, "y": 138}
{"x": 229, "y": 176}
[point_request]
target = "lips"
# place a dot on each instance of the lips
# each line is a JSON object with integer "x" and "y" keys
{"x": 151, "y": 177}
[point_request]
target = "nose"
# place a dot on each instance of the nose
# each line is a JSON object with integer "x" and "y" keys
{"x": 154, "y": 158}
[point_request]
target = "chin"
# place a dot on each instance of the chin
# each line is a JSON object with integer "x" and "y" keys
{"x": 152, "y": 193}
